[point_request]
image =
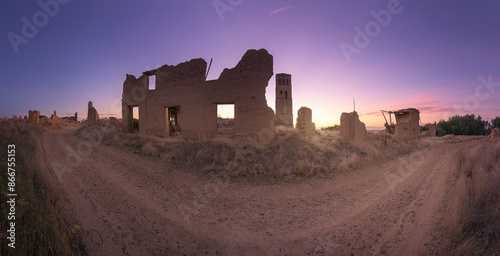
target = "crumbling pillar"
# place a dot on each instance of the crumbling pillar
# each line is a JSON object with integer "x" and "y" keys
{"x": 92, "y": 115}
{"x": 304, "y": 122}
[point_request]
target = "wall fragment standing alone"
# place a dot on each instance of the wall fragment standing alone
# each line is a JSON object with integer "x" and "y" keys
{"x": 304, "y": 122}
{"x": 351, "y": 128}
{"x": 407, "y": 124}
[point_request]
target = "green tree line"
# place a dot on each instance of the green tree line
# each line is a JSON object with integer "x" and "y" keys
{"x": 466, "y": 125}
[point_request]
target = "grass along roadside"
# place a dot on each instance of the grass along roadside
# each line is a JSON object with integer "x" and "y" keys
{"x": 44, "y": 219}
{"x": 288, "y": 157}
{"x": 472, "y": 222}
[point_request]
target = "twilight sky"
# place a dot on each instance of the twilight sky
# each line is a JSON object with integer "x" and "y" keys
{"x": 442, "y": 57}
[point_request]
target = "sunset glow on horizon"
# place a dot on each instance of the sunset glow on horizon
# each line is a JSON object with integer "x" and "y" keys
{"x": 441, "y": 58}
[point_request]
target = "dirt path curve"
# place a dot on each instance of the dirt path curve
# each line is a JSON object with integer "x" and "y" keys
{"x": 141, "y": 206}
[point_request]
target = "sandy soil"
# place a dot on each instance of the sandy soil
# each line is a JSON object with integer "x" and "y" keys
{"x": 136, "y": 205}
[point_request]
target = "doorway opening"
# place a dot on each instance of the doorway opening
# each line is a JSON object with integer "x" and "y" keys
{"x": 225, "y": 119}
{"x": 135, "y": 118}
{"x": 172, "y": 120}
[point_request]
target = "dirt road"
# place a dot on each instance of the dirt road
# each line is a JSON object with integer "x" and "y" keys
{"x": 140, "y": 206}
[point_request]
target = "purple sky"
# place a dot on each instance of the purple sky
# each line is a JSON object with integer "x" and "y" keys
{"x": 435, "y": 56}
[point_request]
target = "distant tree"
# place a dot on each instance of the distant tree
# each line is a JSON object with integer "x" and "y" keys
{"x": 463, "y": 125}
{"x": 496, "y": 122}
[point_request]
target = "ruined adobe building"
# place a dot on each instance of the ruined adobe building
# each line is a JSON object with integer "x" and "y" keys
{"x": 407, "y": 125}
{"x": 284, "y": 108}
{"x": 184, "y": 103}
{"x": 71, "y": 119}
{"x": 351, "y": 128}
{"x": 305, "y": 124}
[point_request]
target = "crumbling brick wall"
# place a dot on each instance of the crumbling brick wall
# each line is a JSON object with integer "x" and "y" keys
{"x": 183, "y": 87}
{"x": 351, "y": 128}
{"x": 407, "y": 124}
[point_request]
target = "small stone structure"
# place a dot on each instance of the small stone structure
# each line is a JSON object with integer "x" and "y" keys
{"x": 54, "y": 116}
{"x": 92, "y": 115}
{"x": 432, "y": 130}
{"x": 34, "y": 117}
{"x": 184, "y": 103}
{"x": 304, "y": 122}
{"x": 495, "y": 133}
{"x": 407, "y": 125}
{"x": 351, "y": 128}
{"x": 70, "y": 119}
{"x": 284, "y": 106}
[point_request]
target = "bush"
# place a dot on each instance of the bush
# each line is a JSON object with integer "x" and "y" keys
{"x": 464, "y": 125}
{"x": 289, "y": 156}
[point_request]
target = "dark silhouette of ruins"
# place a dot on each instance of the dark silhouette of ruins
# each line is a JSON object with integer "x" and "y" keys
{"x": 184, "y": 103}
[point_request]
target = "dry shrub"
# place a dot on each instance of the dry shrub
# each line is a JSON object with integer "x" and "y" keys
{"x": 472, "y": 226}
{"x": 289, "y": 156}
{"x": 149, "y": 150}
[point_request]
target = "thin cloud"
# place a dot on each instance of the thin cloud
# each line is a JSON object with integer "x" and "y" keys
{"x": 336, "y": 62}
{"x": 425, "y": 96}
{"x": 412, "y": 104}
{"x": 282, "y": 9}
{"x": 403, "y": 26}
{"x": 417, "y": 101}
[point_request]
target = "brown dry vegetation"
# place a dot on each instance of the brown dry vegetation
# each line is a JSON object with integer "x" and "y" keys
{"x": 44, "y": 219}
{"x": 472, "y": 222}
{"x": 288, "y": 157}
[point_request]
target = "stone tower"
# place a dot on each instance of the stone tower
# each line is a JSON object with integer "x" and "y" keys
{"x": 284, "y": 107}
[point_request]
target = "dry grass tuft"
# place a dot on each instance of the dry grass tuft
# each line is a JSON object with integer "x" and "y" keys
{"x": 149, "y": 150}
{"x": 473, "y": 223}
{"x": 44, "y": 218}
{"x": 289, "y": 157}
